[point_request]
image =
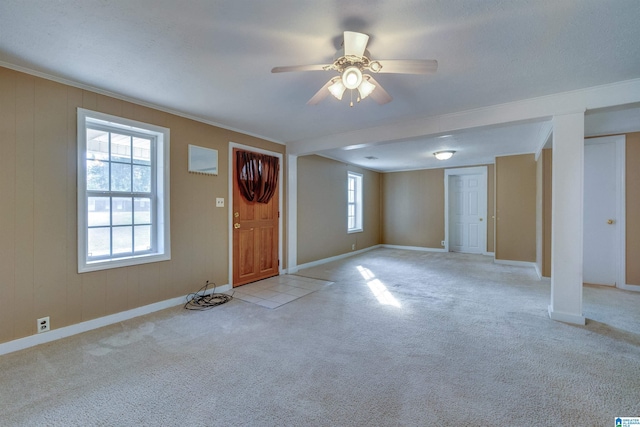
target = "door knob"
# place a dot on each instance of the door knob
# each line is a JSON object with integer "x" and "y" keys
{"x": 236, "y": 225}
{"x": 609, "y": 221}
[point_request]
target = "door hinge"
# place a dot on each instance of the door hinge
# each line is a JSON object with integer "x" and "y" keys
{"x": 278, "y": 214}
{"x": 278, "y": 263}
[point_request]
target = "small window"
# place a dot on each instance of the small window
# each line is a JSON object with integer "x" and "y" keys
{"x": 123, "y": 192}
{"x": 354, "y": 202}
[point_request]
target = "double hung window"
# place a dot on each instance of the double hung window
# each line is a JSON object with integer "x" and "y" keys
{"x": 354, "y": 202}
{"x": 123, "y": 192}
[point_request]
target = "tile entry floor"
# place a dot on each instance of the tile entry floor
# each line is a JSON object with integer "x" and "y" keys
{"x": 276, "y": 291}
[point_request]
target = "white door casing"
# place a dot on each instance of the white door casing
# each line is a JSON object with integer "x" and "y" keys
{"x": 604, "y": 222}
{"x": 466, "y": 210}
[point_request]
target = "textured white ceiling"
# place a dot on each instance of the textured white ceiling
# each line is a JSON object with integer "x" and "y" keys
{"x": 212, "y": 59}
{"x": 472, "y": 147}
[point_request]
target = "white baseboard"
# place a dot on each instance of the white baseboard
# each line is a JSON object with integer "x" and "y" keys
{"x": 413, "y": 248}
{"x": 538, "y": 271}
{"x": 330, "y": 259}
{"x": 635, "y": 288}
{"x": 78, "y": 328}
{"x": 515, "y": 263}
{"x": 425, "y": 249}
{"x": 566, "y": 317}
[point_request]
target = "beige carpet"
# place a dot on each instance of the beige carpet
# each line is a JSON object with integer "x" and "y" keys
{"x": 400, "y": 338}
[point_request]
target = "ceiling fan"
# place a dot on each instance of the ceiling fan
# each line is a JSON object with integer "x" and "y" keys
{"x": 351, "y": 62}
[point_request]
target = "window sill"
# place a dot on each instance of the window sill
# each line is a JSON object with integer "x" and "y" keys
{"x": 122, "y": 262}
{"x": 355, "y": 230}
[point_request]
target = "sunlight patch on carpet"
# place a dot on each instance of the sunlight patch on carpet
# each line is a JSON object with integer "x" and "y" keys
{"x": 378, "y": 288}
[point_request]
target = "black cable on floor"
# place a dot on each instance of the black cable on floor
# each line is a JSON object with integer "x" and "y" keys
{"x": 201, "y": 301}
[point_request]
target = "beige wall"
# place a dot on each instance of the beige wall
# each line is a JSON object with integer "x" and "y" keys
{"x": 413, "y": 208}
{"x": 322, "y": 209}
{"x": 633, "y": 208}
{"x": 516, "y": 208}
{"x": 38, "y": 259}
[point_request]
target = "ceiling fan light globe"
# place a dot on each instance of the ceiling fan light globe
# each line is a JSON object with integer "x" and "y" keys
{"x": 337, "y": 89}
{"x": 366, "y": 88}
{"x": 351, "y": 77}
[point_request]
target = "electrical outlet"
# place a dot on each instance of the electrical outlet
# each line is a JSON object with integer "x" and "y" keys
{"x": 442, "y": 243}
{"x": 219, "y": 202}
{"x": 353, "y": 247}
{"x": 43, "y": 324}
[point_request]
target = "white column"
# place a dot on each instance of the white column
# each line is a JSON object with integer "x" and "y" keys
{"x": 292, "y": 214}
{"x": 566, "y": 217}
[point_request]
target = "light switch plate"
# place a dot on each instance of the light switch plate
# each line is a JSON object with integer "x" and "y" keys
{"x": 219, "y": 202}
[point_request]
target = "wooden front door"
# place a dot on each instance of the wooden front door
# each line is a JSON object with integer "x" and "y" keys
{"x": 255, "y": 236}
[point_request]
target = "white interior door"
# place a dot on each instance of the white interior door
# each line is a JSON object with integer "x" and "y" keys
{"x": 467, "y": 213}
{"x": 602, "y": 216}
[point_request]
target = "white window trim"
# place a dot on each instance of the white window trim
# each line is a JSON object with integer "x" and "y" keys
{"x": 162, "y": 135}
{"x": 358, "y": 203}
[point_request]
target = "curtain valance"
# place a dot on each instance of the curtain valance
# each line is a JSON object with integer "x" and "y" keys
{"x": 257, "y": 175}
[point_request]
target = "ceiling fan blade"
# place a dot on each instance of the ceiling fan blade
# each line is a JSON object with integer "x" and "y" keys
{"x": 379, "y": 94}
{"x": 355, "y": 43}
{"x": 321, "y": 94}
{"x": 286, "y": 69}
{"x": 408, "y": 66}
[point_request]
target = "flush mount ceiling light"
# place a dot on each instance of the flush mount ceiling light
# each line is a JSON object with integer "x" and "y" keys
{"x": 351, "y": 62}
{"x": 444, "y": 155}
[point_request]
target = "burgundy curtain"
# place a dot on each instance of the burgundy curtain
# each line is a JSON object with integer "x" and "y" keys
{"x": 257, "y": 176}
